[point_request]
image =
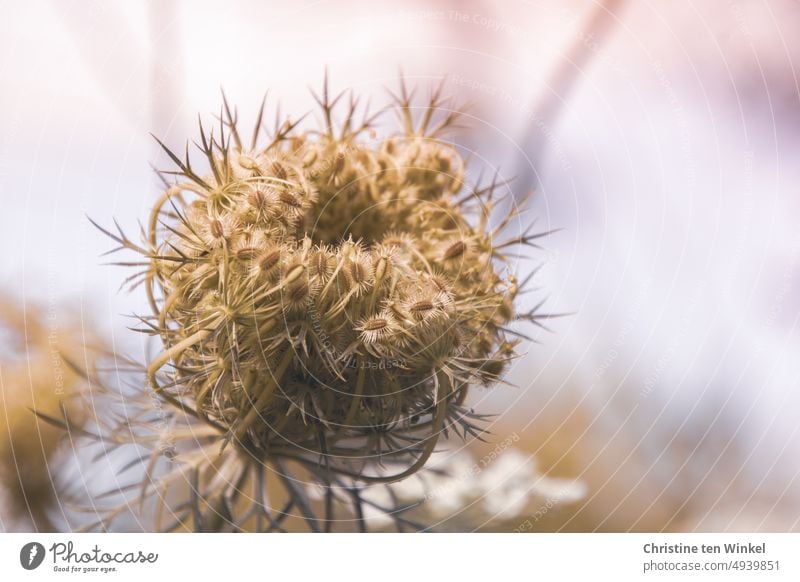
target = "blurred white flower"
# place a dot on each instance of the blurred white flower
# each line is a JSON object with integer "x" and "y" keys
{"x": 474, "y": 492}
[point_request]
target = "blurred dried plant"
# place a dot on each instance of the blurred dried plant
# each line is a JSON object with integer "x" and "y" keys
{"x": 35, "y": 376}
{"x": 325, "y": 304}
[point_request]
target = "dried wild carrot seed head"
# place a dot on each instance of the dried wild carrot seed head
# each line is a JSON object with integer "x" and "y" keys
{"x": 323, "y": 294}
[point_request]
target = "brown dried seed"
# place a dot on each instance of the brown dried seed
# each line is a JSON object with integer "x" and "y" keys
{"x": 357, "y": 272}
{"x": 455, "y": 250}
{"x": 278, "y": 170}
{"x": 338, "y": 164}
{"x": 269, "y": 260}
{"x": 321, "y": 264}
{"x": 289, "y": 199}
{"x": 376, "y": 324}
{"x": 216, "y": 229}
{"x": 298, "y": 293}
{"x": 257, "y": 199}
{"x": 246, "y": 253}
{"x": 440, "y": 283}
{"x": 421, "y": 306}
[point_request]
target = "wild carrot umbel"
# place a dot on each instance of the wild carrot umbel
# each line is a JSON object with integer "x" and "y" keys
{"x": 326, "y": 299}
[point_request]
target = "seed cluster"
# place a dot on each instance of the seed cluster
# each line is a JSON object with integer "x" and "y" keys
{"x": 328, "y": 292}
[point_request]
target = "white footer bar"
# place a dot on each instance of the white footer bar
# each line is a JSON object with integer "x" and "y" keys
{"x": 406, "y": 557}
